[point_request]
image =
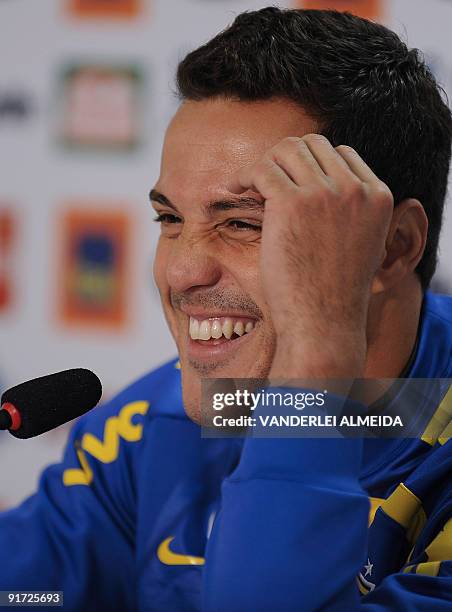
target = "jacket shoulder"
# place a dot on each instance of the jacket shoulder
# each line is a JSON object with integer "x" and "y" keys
{"x": 440, "y": 306}
{"x": 434, "y": 355}
{"x": 155, "y": 394}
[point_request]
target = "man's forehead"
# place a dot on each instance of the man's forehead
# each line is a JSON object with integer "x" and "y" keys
{"x": 223, "y": 124}
{"x": 210, "y": 138}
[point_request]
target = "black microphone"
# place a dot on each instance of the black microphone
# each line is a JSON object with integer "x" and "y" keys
{"x": 41, "y": 404}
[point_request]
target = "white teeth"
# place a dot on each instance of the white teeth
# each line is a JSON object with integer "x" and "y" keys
{"x": 216, "y": 330}
{"x": 204, "y": 330}
{"x": 194, "y": 329}
{"x": 212, "y": 328}
{"x": 239, "y": 328}
{"x": 228, "y": 327}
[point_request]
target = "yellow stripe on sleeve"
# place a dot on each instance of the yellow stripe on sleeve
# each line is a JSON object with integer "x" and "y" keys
{"x": 440, "y": 549}
{"x": 440, "y": 420}
{"x": 430, "y": 568}
{"x": 401, "y": 505}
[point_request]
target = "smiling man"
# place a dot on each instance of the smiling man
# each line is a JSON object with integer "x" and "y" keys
{"x": 300, "y": 200}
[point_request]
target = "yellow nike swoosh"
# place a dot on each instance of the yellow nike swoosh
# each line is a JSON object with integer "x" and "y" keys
{"x": 168, "y": 557}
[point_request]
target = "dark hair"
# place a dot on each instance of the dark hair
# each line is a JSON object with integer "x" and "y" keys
{"x": 357, "y": 78}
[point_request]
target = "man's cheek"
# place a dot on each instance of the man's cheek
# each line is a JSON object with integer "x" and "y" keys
{"x": 159, "y": 272}
{"x": 159, "y": 266}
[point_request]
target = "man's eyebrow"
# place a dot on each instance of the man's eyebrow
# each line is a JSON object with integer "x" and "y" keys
{"x": 240, "y": 203}
{"x": 156, "y": 196}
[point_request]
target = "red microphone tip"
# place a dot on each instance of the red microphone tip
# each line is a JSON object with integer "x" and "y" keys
{"x": 16, "y": 420}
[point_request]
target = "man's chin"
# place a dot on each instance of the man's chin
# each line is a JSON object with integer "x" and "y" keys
{"x": 194, "y": 379}
{"x": 193, "y": 411}
{"x": 209, "y": 369}
{"x": 251, "y": 363}
{"x": 191, "y": 395}
{"x": 192, "y": 405}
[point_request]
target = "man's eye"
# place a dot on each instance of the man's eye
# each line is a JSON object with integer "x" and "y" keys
{"x": 166, "y": 218}
{"x": 243, "y": 225}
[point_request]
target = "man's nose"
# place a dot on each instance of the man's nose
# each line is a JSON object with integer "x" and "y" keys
{"x": 192, "y": 264}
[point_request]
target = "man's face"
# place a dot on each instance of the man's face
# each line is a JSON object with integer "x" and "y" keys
{"x": 207, "y": 266}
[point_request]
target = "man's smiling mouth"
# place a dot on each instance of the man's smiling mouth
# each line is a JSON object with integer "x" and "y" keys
{"x": 204, "y": 329}
{"x": 214, "y": 335}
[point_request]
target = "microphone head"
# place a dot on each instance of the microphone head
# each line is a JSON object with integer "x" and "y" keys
{"x": 49, "y": 401}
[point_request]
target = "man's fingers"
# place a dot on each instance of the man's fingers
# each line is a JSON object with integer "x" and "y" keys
{"x": 379, "y": 190}
{"x": 234, "y": 184}
{"x": 265, "y": 177}
{"x": 357, "y": 165}
{"x": 289, "y": 164}
{"x": 297, "y": 163}
{"x": 294, "y": 156}
{"x": 332, "y": 164}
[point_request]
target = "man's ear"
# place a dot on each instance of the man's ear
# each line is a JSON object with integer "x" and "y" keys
{"x": 405, "y": 245}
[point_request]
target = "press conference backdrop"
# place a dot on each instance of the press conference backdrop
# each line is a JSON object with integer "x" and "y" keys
{"x": 86, "y": 91}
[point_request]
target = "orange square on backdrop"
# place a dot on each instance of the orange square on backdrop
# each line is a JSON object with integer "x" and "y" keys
{"x": 105, "y": 8}
{"x": 93, "y": 276}
{"x": 7, "y": 234}
{"x": 370, "y": 9}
